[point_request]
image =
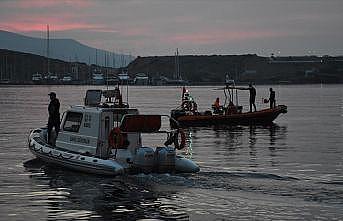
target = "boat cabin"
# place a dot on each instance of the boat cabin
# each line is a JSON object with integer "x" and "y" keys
{"x": 103, "y": 136}
{"x": 85, "y": 128}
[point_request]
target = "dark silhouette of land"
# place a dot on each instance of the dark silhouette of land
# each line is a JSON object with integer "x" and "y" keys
{"x": 244, "y": 68}
{"x": 18, "y": 68}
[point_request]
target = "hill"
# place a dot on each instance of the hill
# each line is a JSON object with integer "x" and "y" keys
{"x": 244, "y": 68}
{"x": 63, "y": 49}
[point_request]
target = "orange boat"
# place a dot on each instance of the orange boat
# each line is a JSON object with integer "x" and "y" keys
{"x": 265, "y": 116}
{"x": 227, "y": 114}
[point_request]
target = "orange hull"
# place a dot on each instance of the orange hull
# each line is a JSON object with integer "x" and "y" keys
{"x": 265, "y": 116}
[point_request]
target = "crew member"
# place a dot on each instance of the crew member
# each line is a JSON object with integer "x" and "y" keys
{"x": 272, "y": 100}
{"x": 54, "y": 116}
{"x": 252, "y": 92}
{"x": 216, "y": 105}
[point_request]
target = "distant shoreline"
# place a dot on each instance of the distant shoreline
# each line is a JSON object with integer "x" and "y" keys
{"x": 23, "y": 68}
{"x": 189, "y": 85}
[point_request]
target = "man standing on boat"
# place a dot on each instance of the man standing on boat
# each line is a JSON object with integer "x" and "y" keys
{"x": 252, "y": 92}
{"x": 216, "y": 106}
{"x": 54, "y": 116}
{"x": 272, "y": 100}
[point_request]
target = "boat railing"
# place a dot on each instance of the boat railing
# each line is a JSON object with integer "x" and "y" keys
{"x": 105, "y": 98}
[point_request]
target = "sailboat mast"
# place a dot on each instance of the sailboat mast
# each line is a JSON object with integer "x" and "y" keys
{"x": 106, "y": 67}
{"x": 96, "y": 57}
{"x": 177, "y": 74}
{"x": 1, "y": 67}
{"x": 113, "y": 60}
{"x": 47, "y": 49}
{"x": 178, "y": 65}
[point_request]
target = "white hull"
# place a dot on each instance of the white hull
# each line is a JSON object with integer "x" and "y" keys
{"x": 72, "y": 160}
{"x": 92, "y": 164}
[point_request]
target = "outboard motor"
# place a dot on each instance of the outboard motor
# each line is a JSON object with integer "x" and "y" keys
{"x": 165, "y": 159}
{"x": 143, "y": 161}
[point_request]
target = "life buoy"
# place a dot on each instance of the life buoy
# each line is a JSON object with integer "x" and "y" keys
{"x": 180, "y": 145}
{"x": 185, "y": 105}
{"x": 116, "y": 138}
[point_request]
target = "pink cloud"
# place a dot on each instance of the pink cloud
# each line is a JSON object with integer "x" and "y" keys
{"x": 64, "y": 18}
{"x": 61, "y": 22}
{"x": 25, "y": 27}
{"x": 29, "y": 4}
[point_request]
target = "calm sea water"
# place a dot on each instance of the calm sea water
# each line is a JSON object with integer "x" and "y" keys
{"x": 288, "y": 171}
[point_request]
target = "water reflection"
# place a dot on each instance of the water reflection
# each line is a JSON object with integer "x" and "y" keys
{"x": 188, "y": 150}
{"x": 273, "y": 131}
{"x": 228, "y": 146}
{"x": 85, "y": 196}
{"x": 230, "y": 136}
{"x": 234, "y": 135}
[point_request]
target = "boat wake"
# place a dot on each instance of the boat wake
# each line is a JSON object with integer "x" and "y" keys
{"x": 269, "y": 184}
{"x": 249, "y": 175}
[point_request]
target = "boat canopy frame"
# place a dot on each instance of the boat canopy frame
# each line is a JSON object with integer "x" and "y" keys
{"x": 230, "y": 93}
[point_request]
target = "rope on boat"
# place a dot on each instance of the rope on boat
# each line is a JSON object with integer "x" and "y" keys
{"x": 65, "y": 158}
{"x": 37, "y": 149}
{"x": 40, "y": 149}
{"x": 48, "y": 153}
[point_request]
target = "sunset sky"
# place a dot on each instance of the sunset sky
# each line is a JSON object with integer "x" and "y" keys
{"x": 158, "y": 27}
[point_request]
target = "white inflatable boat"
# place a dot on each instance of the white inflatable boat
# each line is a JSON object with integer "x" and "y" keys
{"x": 105, "y": 138}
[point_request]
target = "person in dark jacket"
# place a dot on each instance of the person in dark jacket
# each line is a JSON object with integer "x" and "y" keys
{"x": 54, "y": 116}
{"x": 252, "y": 92}
{"x": 272, "y": 100}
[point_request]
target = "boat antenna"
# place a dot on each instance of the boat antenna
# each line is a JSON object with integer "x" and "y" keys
{"x": 106, "y": 69}
{"x": 225, "y": 96}
{"x": 234, "y": 84}
{"x": 121, "y": 80}
{"x": 127, "y": 92}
